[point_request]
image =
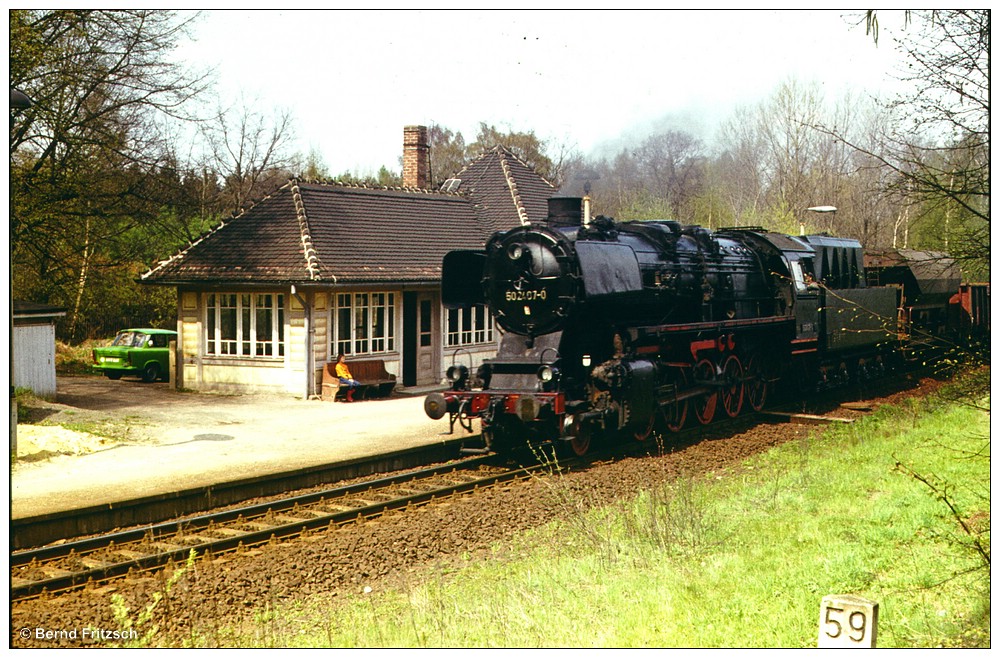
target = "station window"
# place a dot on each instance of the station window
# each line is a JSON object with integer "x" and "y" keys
{"x": 245, "y": 324}
{"x": 364, "y": 323}
{"x": 469, "y": 326}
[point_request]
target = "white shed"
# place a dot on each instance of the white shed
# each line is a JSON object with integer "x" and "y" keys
{"x": 33, "y": 347}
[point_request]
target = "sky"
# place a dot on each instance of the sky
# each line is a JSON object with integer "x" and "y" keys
{"x": 352, "y": 79}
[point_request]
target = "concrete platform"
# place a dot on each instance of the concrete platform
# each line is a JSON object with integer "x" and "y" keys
{"x": 193, "y": 440}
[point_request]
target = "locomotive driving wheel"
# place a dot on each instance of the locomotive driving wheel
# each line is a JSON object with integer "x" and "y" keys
{"x": 645, "y": 430}
{"x": 675, "y": 412}
{"x": 732, "y": 389}
{"x": 580, "y": 444}
{"x": 755, "y": 383}
{"x": 704, "y": 406}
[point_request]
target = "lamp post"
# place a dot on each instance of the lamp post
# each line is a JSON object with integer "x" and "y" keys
{"x": 18, "y": 101}
{"x": 819, "y": 209}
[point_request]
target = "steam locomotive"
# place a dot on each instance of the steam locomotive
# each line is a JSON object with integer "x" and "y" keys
{"x": 617, "y": 328}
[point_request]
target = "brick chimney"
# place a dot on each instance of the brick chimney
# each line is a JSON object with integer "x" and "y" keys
{"x": 416, "y": 157}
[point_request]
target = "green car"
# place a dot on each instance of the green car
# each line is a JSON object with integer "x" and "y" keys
{"x": 142, "y": 352}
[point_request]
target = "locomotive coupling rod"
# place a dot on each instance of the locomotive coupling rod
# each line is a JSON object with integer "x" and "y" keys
{"x": 688, "y": 394}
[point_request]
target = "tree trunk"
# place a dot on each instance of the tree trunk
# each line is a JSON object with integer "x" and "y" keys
{"x": 81, "y": 282}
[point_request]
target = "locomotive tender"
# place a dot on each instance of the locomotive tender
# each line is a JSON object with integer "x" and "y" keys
{"x": 616, "y": 327}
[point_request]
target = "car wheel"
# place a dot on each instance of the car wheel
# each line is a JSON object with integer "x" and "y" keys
{"x": 113, "y": 375}
{"x": 150, "y": 372}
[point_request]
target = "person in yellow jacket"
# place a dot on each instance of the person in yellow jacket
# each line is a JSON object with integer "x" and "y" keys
{"x": 346, "y": 378}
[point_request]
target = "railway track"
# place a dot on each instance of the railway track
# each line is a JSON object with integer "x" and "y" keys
{"x": 73, "y": 564}
{"x": 38, "y": 530}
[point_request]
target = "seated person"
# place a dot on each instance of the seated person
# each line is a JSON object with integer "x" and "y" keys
{"x": 344, "y": 374}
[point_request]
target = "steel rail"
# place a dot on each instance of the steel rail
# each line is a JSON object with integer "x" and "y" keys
{"x": 38, "y": 530}
{"x": 274, "y": 519}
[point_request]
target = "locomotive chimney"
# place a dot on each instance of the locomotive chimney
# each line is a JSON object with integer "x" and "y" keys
{"x": 416, "y": 157}
{"x": 565, "y": 211}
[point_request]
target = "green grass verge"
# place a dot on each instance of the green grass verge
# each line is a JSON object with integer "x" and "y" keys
{"x": 741, "y": 560}
{"x": 77, "y": 359}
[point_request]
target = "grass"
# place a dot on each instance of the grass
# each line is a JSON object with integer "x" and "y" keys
{"x": 894, "y": 508}
{"x": 77, "y": 359}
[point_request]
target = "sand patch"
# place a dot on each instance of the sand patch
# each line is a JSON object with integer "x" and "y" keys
{"x": 38, "y": 442}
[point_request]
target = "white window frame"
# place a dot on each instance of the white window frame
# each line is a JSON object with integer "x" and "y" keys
{"x": 473, "y": 325}
{"x": 254, "y": 328}
{"x": 363, "y": 322}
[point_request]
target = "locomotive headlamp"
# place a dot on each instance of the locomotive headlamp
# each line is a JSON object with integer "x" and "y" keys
{"x": 515, "y": 251}
{"x": 548, "y": 373}
{"x": 457, "y": 374}
{"x": 585, "y": 360}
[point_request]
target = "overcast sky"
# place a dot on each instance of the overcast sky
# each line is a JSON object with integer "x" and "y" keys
{"x": 353, "y": 79}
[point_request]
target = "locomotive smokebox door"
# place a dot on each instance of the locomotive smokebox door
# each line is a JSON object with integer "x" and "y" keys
{"x": 461, "y": 278}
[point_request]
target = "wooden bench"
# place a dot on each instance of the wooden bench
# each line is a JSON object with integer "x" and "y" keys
{"x": 375, "y": 380}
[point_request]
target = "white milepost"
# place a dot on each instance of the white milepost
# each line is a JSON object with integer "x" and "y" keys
{"x": 847, "y": 621}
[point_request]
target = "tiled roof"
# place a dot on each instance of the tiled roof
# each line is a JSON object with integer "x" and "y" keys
{"x": 497, "y": 179}
{"x": 367, "y": 235}
{"x": 262, "y": 244}
{"x": 333, "y": 233}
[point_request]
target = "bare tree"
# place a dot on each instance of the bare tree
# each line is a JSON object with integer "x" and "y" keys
{"x": 447, "y": 153}
{"x": 937, "y": 145}
{"x": 738, "y": 168}
{"x": 249, "y": 151}
{"x": 672, "y": 164}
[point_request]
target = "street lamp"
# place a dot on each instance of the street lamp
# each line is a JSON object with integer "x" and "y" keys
{"x": 819, "y": 209}
{"x": 18, "y": 101}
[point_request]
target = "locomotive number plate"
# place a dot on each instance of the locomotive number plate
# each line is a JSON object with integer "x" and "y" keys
{"x": 526, "y": 295}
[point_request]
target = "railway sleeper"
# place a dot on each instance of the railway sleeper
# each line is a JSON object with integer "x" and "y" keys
{"x": 262, "y": 525}
{"x": 93, "y": 563}
{"x": 358, "y": 503}
{"x": 293, "y": 520}
{"x": 167, "y": 547}
{"x": 225, "y": 532}
{"x": 337, "y": 509}
{"x": 20, "y": 583}
{"x": 130, "y": 555}
{"x": 413, "y": 492}
{"x": 54, "y": 572}
{"x": 304, "y": 515}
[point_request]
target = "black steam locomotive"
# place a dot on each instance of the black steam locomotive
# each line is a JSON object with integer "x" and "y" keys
{"x": 615, "y": 327}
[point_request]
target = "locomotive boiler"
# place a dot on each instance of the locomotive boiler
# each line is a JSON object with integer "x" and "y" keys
{"x": 612, "y": 328}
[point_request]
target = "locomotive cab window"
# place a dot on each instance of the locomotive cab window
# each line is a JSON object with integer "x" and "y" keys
{"x": 802, "y": 276}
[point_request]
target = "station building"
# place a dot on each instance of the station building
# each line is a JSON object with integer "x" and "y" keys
{"x": 266, "y": 299}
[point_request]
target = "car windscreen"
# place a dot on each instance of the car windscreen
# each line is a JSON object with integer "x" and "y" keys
{"x": 124, "y": 339}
